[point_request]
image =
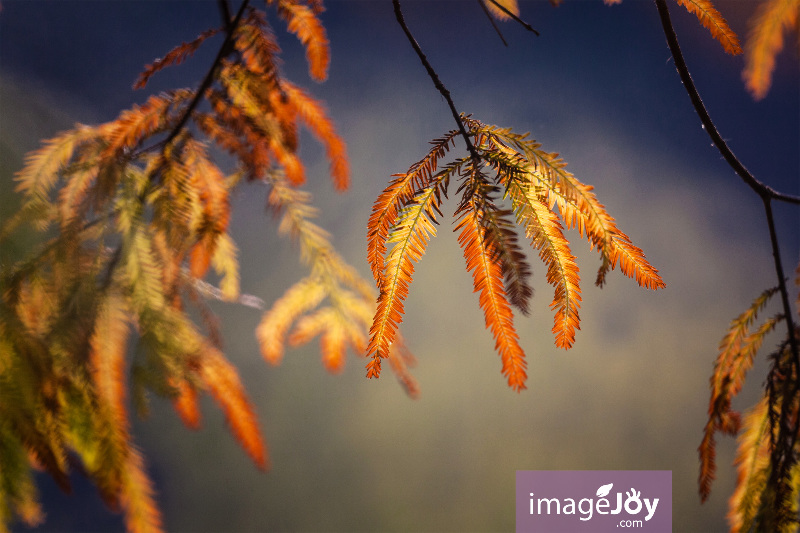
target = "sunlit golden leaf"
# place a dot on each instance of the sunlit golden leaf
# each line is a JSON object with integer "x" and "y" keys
{"x": 410, "y": 236}
{"x": 42, "y": 167}
{"x": 107, "y": 355}
{"x": 544, "y": 230}
{"x": 138, "y": 498}
{"x": 225, "y": 263}
{"x": 276, "y": 322}
{"x": 400, "y": 191}
{"x": 752, "y": 461}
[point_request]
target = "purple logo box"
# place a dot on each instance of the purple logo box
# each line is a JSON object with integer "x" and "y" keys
{"x": 599, "y": 501}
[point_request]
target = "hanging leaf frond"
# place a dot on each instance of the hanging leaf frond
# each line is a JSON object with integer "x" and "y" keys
{"x": 736, "y": 353}
{"x": 479, "y": 251}
{"x": 138, "y": 497}
{"x": 544, "y": 230}
{"x": 220, "y": 378}
{"x": 316, "y": 119}
{"x": 43, "y": 166}
{"x": 302, "y": 21}
{"x": 752, "y": 461}
{"x": 398, "y": 193}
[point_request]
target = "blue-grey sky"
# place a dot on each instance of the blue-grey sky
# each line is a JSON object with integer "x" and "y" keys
{"x": 350, "y": 454}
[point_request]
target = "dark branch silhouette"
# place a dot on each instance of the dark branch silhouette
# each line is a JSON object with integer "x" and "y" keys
{"x": 672, "y": 40}
{"x": 782, "y": 455}
{"x": 436, "y": 81}
{"x": 764, "y": 191}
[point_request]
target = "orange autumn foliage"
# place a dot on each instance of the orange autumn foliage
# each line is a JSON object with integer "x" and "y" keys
{"x": 535, "y": 182}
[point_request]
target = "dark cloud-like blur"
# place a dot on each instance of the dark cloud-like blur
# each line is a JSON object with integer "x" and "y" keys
{"x": 351, "y": 454}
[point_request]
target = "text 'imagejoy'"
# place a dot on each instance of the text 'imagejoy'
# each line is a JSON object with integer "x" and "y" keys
{"x": 597, "y": 500}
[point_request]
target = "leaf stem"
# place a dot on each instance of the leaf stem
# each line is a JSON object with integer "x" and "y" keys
{"x": 436, "y": 81}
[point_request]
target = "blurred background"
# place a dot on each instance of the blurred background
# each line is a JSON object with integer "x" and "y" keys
{"x": 350, "y": 454}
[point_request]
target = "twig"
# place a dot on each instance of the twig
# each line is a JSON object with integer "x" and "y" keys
{"x": 491, "y": 20}
{"x": 224, "y": 50}
{"x": 436, "y": 81}
{"x": 787, "y": 310}
{"x": 513, "y": 16}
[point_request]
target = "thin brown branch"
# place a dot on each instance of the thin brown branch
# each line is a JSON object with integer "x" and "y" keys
{"x": 436, "y": 81}
{"x": 787, "y": 310}
{"x": 760, "y": 188}
{"x": 225, "y": 13}
{"x": 491, "y": 20}
{"x": 764, "y": 191}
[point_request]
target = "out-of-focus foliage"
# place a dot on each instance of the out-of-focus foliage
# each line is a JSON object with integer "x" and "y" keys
{"x": 768, "y": 485}
{"x": 134, "y": 216}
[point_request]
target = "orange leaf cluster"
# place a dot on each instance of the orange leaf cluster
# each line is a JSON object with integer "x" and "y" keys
{"x": 480, "y": 251}
{"x": 535, "y": 182}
